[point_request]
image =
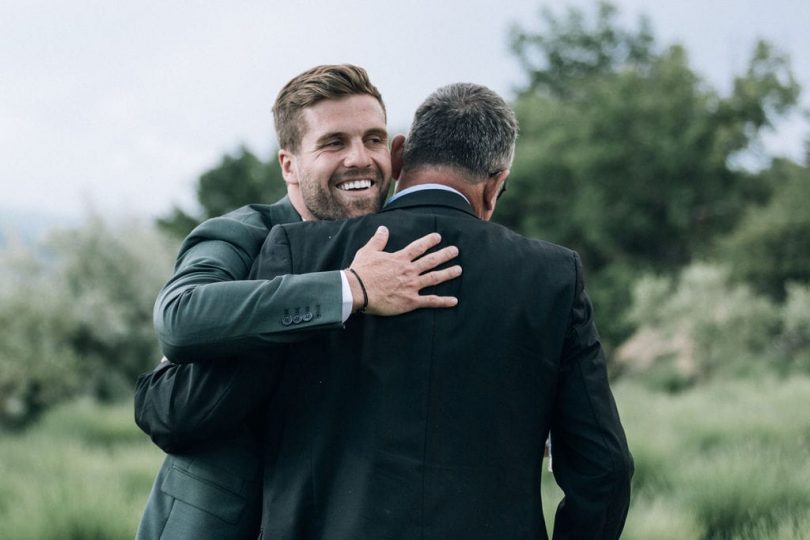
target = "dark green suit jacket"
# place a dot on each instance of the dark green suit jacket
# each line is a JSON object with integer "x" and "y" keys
{"x": 208, "y": 486}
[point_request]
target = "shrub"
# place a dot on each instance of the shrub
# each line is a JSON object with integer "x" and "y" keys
{"x": 77, "y": 315}
{"x": 699, "y": 325}
{"x": 38, "y": 366}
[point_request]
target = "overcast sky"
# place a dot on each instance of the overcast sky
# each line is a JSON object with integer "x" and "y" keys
{"x": 119, "y": 106}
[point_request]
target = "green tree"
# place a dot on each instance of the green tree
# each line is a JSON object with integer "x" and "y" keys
{"x": 771, "y": 247}
{"x": 626, "y": 154}
{"x": 238, "y": 180}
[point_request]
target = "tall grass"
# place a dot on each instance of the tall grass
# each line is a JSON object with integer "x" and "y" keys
{"x": 720, "y": 462}
{"x": 82, "y": 473}
{"x": 724, "y": 461}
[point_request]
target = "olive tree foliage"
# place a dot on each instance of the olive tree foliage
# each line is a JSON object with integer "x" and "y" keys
{"x": 76, "y": 311}
{"x": 626, "y": 154}
{"x": 239, "y": 179}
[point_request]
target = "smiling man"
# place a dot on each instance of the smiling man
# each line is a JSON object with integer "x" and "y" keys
{"x": 212, "y": 321}
{"x": 341, "y": 166}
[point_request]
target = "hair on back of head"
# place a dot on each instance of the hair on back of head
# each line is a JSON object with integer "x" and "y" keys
{"x": 465, "y": 126}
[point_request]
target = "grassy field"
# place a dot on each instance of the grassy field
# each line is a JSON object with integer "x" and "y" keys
{"x": 83, "y": 473}
{"x": 726, "y": 461}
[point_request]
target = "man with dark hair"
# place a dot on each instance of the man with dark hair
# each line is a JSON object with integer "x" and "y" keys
{"x": 335, "y": 161}
{"x": 432, "y": 425}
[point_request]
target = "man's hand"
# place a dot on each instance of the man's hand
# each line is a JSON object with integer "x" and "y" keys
{"x": 393, "y": 280}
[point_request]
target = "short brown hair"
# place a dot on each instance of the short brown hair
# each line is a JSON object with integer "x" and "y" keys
{"x": 305, "y": 90}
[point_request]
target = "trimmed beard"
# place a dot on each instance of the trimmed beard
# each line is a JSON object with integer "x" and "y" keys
{"x": 321, "y": 204}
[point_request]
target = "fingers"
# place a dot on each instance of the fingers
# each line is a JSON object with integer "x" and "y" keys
{"x": 378, "y": 240}
{"x": 432, "y": 260}
{"x": 433, "y": 301}
{"x": 439, "y": 276}
{"x": 418, "y": 247}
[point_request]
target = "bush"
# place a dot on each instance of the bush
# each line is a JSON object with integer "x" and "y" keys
{"x": 38, "y": 367}
{"x": 77, "y": 315}
{"x": 699, "y": 325}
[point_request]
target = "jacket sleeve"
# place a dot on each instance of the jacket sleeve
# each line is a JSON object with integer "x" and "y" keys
{"x": 591, "y": 461}
{"x": 181, "y": 405}
{"x": 209, "y": 310}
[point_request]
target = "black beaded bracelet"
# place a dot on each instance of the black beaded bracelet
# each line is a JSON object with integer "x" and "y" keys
{"x": 362, "y": 288}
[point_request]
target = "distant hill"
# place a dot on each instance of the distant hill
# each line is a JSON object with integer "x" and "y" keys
{"x": 29, "y": 227}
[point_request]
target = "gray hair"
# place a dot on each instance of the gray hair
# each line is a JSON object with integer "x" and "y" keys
{"x": 465, "y": 126}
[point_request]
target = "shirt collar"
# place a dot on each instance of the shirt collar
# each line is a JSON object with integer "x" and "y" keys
{"x": 422, "y": 187}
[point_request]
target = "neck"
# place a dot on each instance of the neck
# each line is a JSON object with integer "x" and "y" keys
{"x": 297, "y": 201}
{"x": 449, "y": 177}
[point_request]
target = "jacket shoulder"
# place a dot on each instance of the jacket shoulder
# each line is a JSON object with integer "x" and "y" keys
{"x": 542, "y": 248}
{"x": 246, "y": 227}
{"x": 265, "y": 215}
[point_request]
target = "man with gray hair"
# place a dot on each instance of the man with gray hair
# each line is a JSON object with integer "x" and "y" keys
{"x": 432, "y": 425}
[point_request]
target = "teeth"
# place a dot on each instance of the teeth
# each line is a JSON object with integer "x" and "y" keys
{"x": 355, "y": 184}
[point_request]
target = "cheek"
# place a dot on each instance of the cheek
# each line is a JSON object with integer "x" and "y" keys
{"x": 314, "y": 171}
{"x": 383, "y": 160}
{"x": 325, "y": 165}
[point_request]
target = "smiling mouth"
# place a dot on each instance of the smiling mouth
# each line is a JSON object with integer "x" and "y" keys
{"x": 355, "y": 185}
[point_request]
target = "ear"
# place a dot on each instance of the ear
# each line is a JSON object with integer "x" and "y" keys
{"x": 397, "y": 149}
{"x": 492, "y": 187}
{"x": 286, "y": 161}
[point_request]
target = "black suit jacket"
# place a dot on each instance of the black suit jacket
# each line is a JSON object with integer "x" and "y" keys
{"x": 431, "y": 425}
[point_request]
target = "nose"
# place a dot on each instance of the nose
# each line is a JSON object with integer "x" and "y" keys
{"x": 357, "y": 155}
